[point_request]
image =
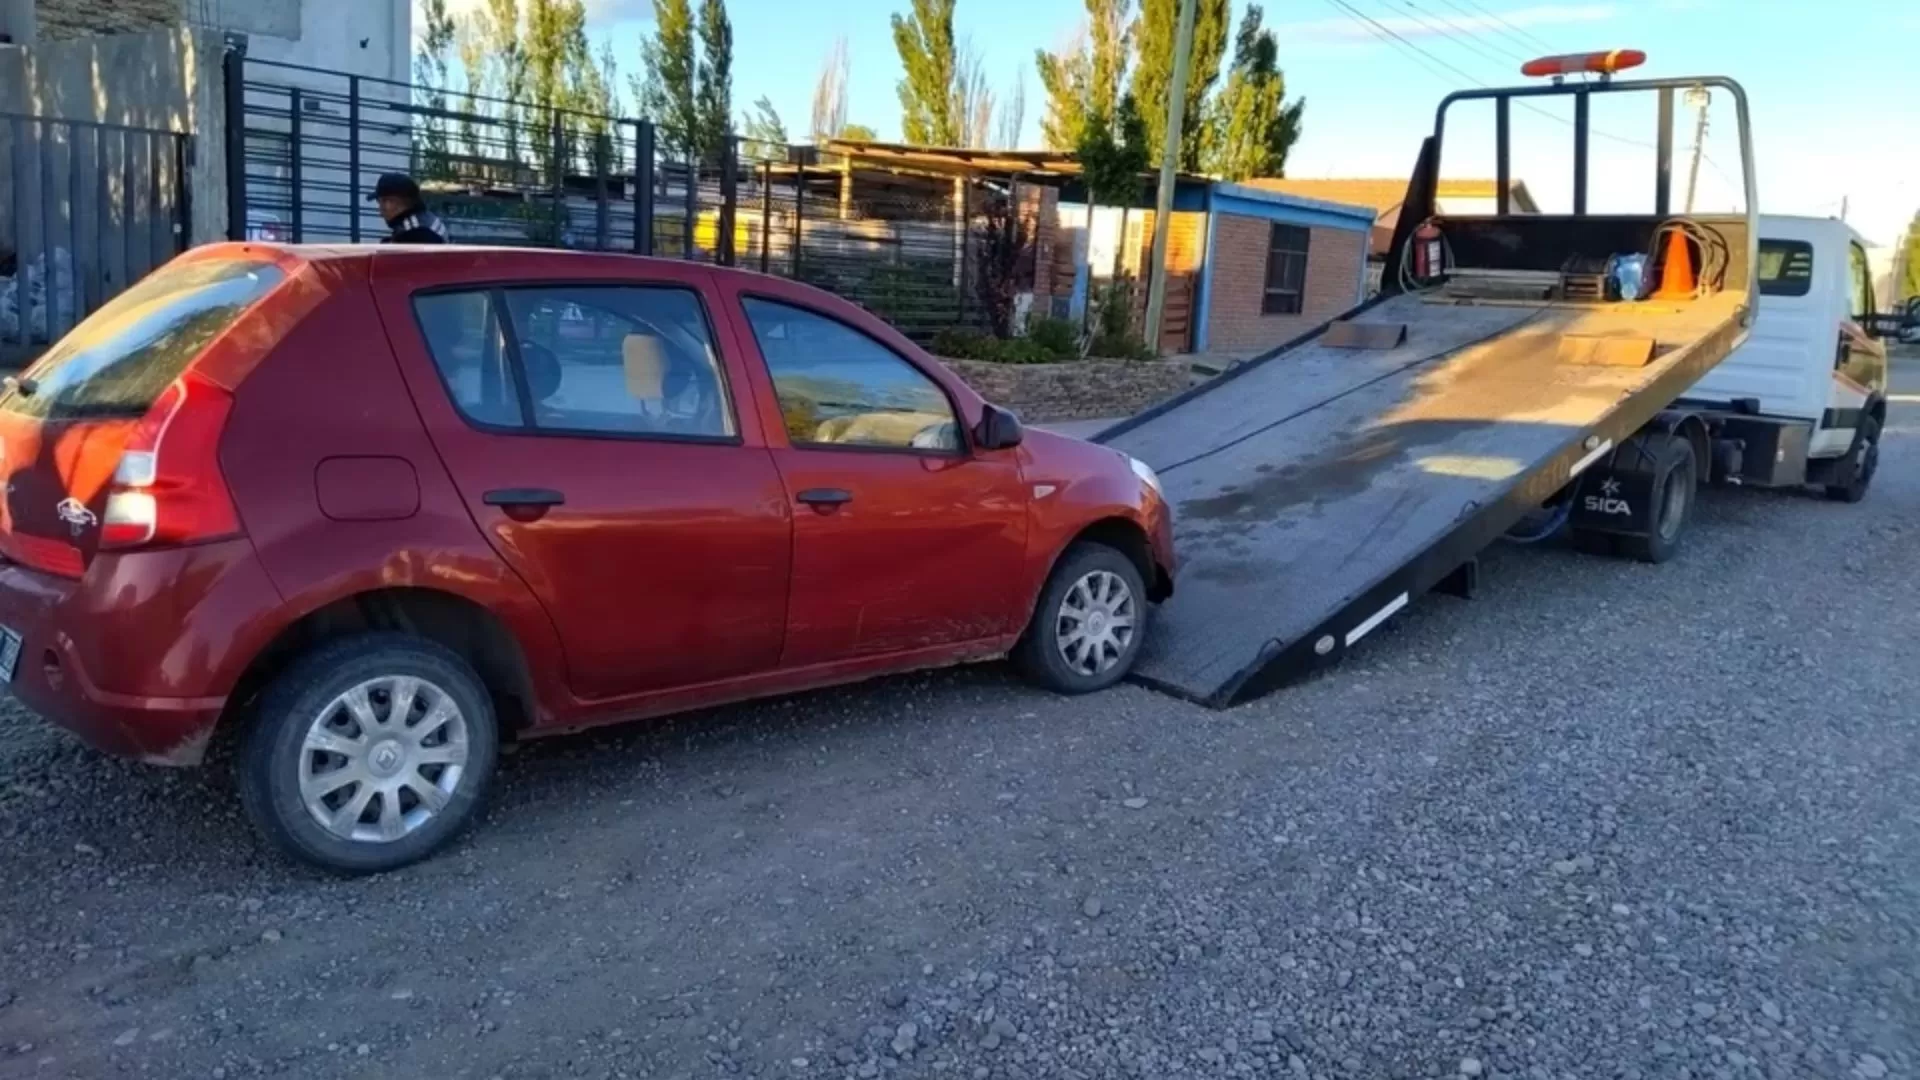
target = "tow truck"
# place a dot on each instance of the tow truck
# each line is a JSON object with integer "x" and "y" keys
{"x": 1517, "y": 374}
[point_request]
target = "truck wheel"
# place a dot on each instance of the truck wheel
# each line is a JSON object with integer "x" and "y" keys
{"x": 1676, "y": 477}
{"x": 1861, "y": 465}
{"x": 369, "y": 753}
{"x": 1088, "y": 623}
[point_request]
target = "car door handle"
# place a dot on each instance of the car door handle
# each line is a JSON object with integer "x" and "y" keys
{"x": 824, "y": 499}
{"x": 541, "y": 497}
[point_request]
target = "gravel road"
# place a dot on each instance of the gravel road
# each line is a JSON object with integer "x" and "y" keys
{"x": 1607, "y": 820}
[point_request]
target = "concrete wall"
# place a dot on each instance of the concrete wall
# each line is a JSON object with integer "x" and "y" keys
{"x": 169, "y": 80}
{"x": 327, "y": 34}
{"x": 63, "y": 20}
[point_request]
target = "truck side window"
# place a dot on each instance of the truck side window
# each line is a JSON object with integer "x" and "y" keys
{"x": 1786, "y": 267}
{"x": 1859, "y": 283}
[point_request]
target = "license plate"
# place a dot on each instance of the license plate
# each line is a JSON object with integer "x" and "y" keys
{"x": 9, "y": 653}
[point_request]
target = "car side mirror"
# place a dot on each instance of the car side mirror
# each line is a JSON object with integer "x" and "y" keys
{"x": 998, "y": 429}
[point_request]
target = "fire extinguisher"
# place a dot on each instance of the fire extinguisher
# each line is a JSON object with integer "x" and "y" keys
{"x": 1429, "y": 254}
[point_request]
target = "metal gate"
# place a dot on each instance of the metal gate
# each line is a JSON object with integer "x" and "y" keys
{"x": 86, "y": 210}
{"x": 305, "y": 146}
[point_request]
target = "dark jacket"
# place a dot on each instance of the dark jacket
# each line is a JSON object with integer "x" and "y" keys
{"x": 419, "y": 227}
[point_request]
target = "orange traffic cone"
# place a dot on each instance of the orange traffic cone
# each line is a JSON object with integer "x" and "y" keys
{"x": 1676, "y": 272}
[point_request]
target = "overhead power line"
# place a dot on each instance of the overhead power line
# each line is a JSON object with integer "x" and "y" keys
{"x": 1466, "y": 36}
{"x": 1390, "y": 35}
{"x": 1526, "y": 40}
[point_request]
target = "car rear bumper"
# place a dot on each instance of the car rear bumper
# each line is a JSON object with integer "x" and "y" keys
{"x": 137, "y": 657}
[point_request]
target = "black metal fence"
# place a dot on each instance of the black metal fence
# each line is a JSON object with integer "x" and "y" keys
{"x": 86, "y": 210}
{"x": 305, "y": 146}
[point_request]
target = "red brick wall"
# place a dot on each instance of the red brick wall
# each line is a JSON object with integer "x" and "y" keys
{"x": 1237, "y": 278}
{"x": 1039, "y": 208}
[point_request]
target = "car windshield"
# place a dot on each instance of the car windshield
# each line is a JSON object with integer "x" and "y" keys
{"x": 117, "y": 361}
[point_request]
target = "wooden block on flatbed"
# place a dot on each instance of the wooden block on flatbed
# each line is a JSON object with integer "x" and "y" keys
{"x": 1348, "y": 334}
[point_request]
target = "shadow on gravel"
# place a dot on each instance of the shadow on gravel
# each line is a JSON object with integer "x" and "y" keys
{"x": 543, "y": 785}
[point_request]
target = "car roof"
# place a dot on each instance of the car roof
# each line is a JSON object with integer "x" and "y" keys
{"x": 425, "y": 260}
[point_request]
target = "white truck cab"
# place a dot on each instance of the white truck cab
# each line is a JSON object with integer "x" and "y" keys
{"x": 1807, "y": 390}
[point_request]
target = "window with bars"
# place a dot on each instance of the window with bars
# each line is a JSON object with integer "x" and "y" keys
{"x": 1286, "y": 270}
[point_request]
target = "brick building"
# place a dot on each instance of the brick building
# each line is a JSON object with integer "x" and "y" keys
{"x": 1274, "y": 266}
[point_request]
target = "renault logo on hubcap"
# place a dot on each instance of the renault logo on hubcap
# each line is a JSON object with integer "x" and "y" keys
{"x": 385, "y": 758}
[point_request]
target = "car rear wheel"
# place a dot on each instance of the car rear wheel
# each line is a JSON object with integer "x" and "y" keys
{"x": 1088, "y": 624}
{"x": 369, "y": 753}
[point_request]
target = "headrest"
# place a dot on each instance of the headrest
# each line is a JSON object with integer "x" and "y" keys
{"x": 645, "y": 358}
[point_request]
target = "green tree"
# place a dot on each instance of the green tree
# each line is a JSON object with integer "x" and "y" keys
{"x": 1251, "y": 127}
{"x": 859, "y": 133}
{"x": 555, "y": 45}
{"x": 667, "y": 94}
{"x": 765, "y": 132}
{"x": 688, "y": 88}
{"x": 472, "y": 40}
{"x": 1153, "y": 34}
{"x": 510, "y": 63}
{"x": 715, "y": 96}
{"x": 929, "y": 94}
{"x": 1113, "y": 154}
{"x": 1086, "y": 77}
{"x": 1113, "y": 161}
{"x": 430, "y": 86}
{"x": 1907, "y": 286}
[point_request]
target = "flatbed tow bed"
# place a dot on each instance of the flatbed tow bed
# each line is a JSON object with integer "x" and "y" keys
{"x": 1320, "y": 488}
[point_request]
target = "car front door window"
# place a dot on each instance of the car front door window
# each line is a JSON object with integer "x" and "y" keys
{"x": 838, "y": 387}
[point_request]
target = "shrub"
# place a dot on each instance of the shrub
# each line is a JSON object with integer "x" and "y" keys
{"x": 1059, "y": 337}
{"x": 964, "y": 344}
{"x": 1113, "y": 333}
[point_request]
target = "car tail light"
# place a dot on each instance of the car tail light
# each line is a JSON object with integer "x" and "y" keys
{"x": 167, "y": 488}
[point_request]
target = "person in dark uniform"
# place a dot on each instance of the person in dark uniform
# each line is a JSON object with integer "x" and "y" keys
{"x": 405, "y": 213}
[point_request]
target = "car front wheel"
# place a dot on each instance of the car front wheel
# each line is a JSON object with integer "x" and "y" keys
{"x": 1088, "y": 624}
{"x": 369, "y": 753}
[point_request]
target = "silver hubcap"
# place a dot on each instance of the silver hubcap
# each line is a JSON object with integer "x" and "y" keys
{"x": 1096, "y": 622}
{"x": 383, "y": 758}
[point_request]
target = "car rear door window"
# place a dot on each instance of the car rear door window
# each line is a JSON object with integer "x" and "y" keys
{"x": 585, "y": 359}
{"x": 464, "y": 335}
{"x": 840, "y": 388}
{"x": 116, "y": 363}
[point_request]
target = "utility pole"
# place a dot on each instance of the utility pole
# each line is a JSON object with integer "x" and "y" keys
{"x": 1169, "y": 172}
{"x": 1697, "y": 97}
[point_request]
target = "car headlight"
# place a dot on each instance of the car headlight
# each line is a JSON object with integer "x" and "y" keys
{"x": 1146, "y": 474}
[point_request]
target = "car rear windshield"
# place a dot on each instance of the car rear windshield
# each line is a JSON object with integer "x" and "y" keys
{"x": 1786, "y": 267}
{"x": 118, "y": 360}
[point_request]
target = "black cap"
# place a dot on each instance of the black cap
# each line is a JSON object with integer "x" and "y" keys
{"x": 394, "y": 183}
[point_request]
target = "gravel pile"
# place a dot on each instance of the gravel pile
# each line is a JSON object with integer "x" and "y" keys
{"x": 1607, "y": 820}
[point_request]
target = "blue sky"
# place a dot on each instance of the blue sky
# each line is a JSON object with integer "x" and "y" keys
{"x": 1834, "y": 85}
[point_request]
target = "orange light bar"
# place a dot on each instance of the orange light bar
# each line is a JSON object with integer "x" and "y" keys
{"x": 1595, "y": 63}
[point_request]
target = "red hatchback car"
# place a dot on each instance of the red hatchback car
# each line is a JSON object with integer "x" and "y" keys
{"x": 382, "y": 508}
